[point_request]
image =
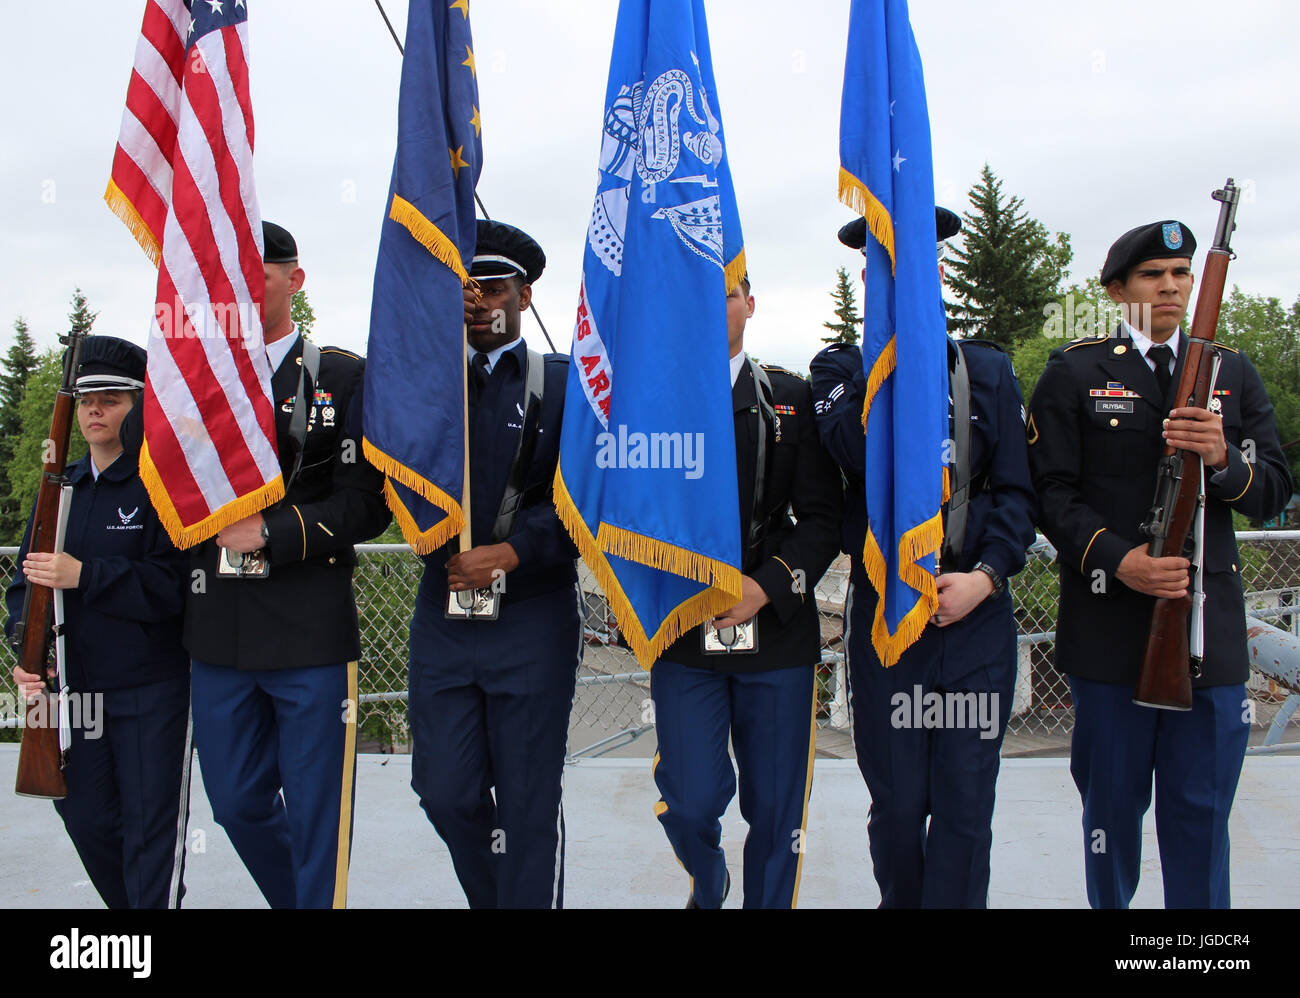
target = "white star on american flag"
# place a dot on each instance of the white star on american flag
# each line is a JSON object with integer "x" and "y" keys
{"x": 191, "y": 31}
{"x": 215, "y": 5}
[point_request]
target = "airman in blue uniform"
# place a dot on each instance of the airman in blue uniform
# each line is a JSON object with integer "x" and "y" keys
{"x": 490, "y": 697}
{"x": 966, "y": 658}
{"x": 123, "y": 584}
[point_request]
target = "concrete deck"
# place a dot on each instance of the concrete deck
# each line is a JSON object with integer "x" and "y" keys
{"x": 617, "y": 856}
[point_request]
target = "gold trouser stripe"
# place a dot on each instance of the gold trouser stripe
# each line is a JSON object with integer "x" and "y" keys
{"x": 345, "y": 798}
{"x": 1083, "y": 562}
{"x": 807, "y": 791}
{"x": 1248, "y": 481}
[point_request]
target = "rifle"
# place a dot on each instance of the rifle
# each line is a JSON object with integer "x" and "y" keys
{"x": 40, "y": 757}
{"x": 1169, "y": 665}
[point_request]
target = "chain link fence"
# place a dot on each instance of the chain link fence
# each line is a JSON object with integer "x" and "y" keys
{"x": 612, "y": 704}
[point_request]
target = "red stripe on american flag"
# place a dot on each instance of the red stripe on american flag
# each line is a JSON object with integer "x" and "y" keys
{"x": 239, "y": 77}
{"x": 169, "y": 459}
{"x": 132, "y": 182}
{"x": 152, "y": 114}
{"x": 159, "y": 31}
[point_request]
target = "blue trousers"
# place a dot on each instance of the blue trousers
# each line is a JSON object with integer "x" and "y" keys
{"x": 489, "y": 706}
{"x": 769, "y": 718}
{"x": 1195, "y": 757}
{"x": 129, "y": 791}
{"x": 931, "y": 784}
{"x": 279, "y": 752}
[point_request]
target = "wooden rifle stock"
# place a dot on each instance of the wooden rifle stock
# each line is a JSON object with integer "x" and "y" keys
{"x": 40, "y": 762}
{"x": 1165, "y": 676}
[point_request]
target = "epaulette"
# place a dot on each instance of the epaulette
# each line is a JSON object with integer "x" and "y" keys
{"x": 839, "y": 346}
{"x": 340, "y": 350}
{"x": 1224, "y": 346}
{"x": 983, "y": 343}
{"x": 778, "y": 369}
{"x": 1086, "y": 341}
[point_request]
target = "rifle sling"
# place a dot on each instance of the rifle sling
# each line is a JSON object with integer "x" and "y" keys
{"x": 954, "y": 535}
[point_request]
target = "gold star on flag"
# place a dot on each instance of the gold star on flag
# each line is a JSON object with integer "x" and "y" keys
{"x": 456, "y": 161}
{"x": 462, "y": 6}
{"x": 470, "y": 62}
{"x": 477, "y": 122}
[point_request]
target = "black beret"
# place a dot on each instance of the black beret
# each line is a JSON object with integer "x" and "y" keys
{"x": 1157, "y": 241}
{"x": 279, "y": 245}
{"x": 110, "y": 364}
{"x": 946, "y": 225}
{"x": 504, "y": 251}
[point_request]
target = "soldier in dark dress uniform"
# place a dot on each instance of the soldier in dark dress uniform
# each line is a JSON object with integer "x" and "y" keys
{"x": 763, "y": 699}
{"x": 932, "y": 784}
{"x": 275, "y": 658}
{"x": 490, "y": 698}
{"x": 1099, "y": 420}
{"x": 123, "y": 584}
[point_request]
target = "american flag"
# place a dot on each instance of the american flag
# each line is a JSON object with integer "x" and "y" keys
{"x": 182, "y": 181}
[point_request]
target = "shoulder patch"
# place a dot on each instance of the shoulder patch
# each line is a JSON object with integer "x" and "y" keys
{"x": 1031, "y": 430}
{"x": 1089, "y": 341}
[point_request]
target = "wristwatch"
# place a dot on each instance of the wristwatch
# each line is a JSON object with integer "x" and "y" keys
{"x": 999, "y": 583}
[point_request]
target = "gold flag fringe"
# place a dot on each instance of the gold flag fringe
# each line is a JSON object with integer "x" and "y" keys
{"x": 422, "y": 542}
{"x": 854, "y": 193}
{"x": 427, "y": 235}
{"x": 234, "y": 511}
{"x": 724, "y": 579}
{"x": 122, "y": 207}
{"x": 880, "y": 371}
{"x": 735, "y": 270}
{"x": 918, "y": 542}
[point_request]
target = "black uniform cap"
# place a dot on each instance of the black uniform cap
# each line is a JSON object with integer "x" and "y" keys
{"x": 504, "y": 251}
{"x": 278, "y": 244}
{"x": 110, "y": 364}
{"x": 946, "y": 225}
{"x": 1157, "y": 241}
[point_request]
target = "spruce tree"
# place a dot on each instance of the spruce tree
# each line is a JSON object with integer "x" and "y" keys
{"x": 1007, "y": 269}
{"x": 17, "y": 365}
{"x": 302, "y": 314}
{"x": 846, "y": 311}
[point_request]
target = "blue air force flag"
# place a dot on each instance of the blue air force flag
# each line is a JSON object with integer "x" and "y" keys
{"x": 647, "y": 478}
{"x": 887, "y": 176}
{"x": 414, "y": 388}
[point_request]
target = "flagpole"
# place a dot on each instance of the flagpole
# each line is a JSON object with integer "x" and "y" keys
{"x": 464, "y": 395}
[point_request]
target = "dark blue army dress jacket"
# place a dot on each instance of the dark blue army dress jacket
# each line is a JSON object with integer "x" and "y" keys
{"x": 1094, "y": 456}
{"x": 124, "y": 616}
{"x": 1000, "y": 516}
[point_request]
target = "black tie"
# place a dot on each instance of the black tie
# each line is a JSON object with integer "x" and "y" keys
{"x": 478, "y": 368}
{"x": 1161, "y": 356}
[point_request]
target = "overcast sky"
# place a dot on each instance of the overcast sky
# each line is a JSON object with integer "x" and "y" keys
{"x": 1100, "y": 115}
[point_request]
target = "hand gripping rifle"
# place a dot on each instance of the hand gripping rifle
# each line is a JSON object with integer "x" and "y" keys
{"x": 40, "y": 758}
{"x": 1170, "y": 664}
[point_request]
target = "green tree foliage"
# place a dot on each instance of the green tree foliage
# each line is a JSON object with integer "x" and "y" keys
{"x": 845, "y": 328}
{"x": 17, "y": 365}
{"x": 1006, "y": 270}
{"x": 302, "y": 314}
{"x": 24, "y": 469}
{"x": 1268, "y": 332}
{"x": 81, "y": 318}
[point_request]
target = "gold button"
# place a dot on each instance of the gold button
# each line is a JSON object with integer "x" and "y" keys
{"x": 1120, "y": 350}
{"x": 1234, "y": 567}
{"x": 1114, "y": 422}
{"x": 332, "y": 559}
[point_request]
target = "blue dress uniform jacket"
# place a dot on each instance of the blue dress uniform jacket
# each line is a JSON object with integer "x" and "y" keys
{"x": 127, "y": 770}
{"x": 795, "y": 552}
{"x": 304, "y": 613}
{"x": 932, "y": 790}
{"x": 490, "y": 699}
{"x": 124, "y": 617}
{"x": 1094, "y": 461}
{"x": 1000, "y": 517}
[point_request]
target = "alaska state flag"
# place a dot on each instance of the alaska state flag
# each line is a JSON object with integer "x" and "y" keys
{"x": 415, "y": 368}
{"x": 647, "y": 478}
{"x": 886, "y": 174}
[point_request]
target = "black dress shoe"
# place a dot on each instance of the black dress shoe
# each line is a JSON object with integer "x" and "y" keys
{"x": 726, "y": 889}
